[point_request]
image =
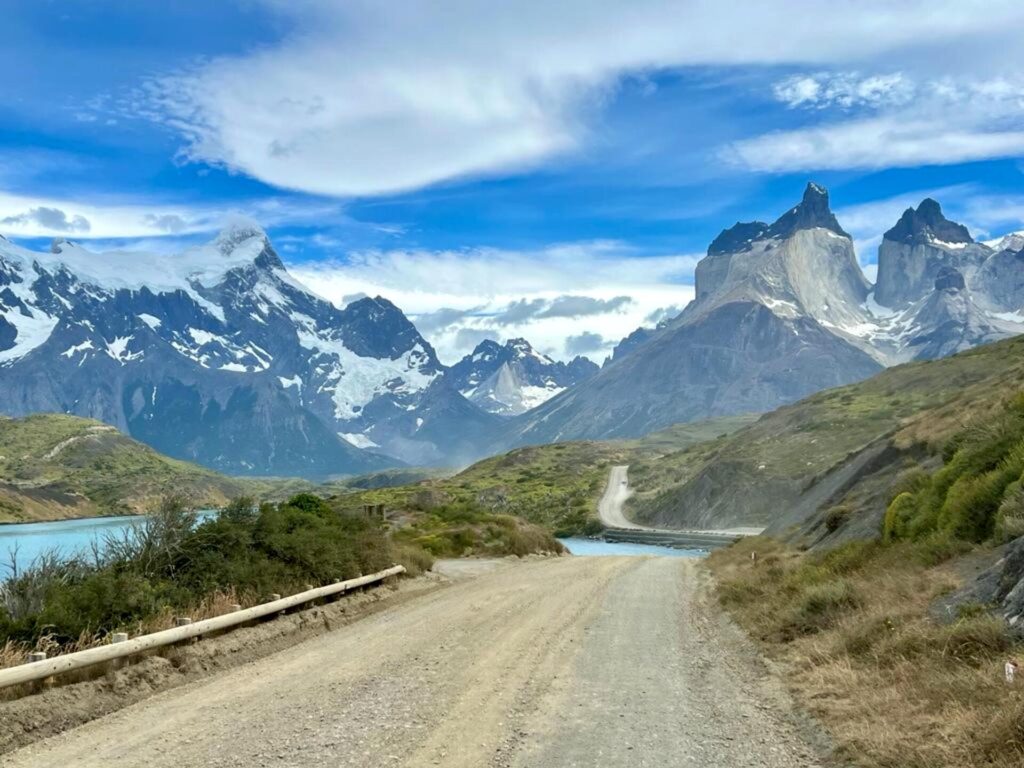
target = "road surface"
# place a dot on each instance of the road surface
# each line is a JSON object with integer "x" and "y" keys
{"x": 609, "y": 508}
{"x": 599, "y": 661}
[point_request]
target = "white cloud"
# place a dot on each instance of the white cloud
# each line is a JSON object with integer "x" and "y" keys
{"x": 364, "y": 97}
{"x": 939, "y": 121}
{"x": 844, "y": 89}
{"x": 464, "y": 296}
{"x": 874, "y": 143}
{"x": 106, "y": 218}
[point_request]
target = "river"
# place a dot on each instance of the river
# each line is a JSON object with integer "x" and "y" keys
{"x": 69, "y": 537}
{"x": 590, "y": 547}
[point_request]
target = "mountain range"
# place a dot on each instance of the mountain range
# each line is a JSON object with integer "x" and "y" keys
{"x": 218, "y": 355}
{"x": 783, "y": 310}
{"x": 511, "y": 379}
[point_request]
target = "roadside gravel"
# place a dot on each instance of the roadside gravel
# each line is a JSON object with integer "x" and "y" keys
{"x": 558, "y": 662}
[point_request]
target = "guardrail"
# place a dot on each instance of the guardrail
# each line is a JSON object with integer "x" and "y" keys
{"x": 40, "y": 670}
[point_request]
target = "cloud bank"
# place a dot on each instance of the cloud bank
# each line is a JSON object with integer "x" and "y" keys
{"x": 367, "y": 98}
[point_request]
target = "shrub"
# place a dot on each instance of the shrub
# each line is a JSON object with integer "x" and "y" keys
{"x": 836, "y": 517}
{"x": 821, "y": 605}
{"x": 167, "y": 561}
{"x": 1010, "y": 517}
{"x": 975, "y": 639}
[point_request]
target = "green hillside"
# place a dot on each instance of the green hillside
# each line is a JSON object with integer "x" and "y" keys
{"x": 835, "y": 455}
{"x": 54, "y": 466}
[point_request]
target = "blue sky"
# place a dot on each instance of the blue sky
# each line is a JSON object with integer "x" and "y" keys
{"x": 459, "y": 157}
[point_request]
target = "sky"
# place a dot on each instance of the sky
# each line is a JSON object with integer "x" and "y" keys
{"x": 546, "y": 170}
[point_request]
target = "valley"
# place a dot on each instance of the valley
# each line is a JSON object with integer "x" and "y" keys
{"x": 523, "y": 385}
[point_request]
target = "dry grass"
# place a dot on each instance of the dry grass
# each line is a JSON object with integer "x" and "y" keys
{"x": 895, "y": 688}
{"x": 13, "y": 654}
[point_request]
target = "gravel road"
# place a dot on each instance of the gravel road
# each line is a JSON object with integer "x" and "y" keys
{"x": 609, "y": 509}
{"x": 587, "y": 661}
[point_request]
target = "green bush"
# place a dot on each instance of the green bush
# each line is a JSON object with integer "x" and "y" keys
{"x": 168, "y": 561}
{"x": 976, "y": 496}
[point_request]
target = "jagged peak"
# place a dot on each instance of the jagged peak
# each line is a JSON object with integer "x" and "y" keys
{"x": 812, "y": 212}
{"x": 1011, "y": 241}
{"x": 737, "y": 237}
{"x": 58, "y": 244}
{"x": 927, "y": 224}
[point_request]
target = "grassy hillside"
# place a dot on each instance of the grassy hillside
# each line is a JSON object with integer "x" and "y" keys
{"x": 835, "y": 455}
{"x": 55, "y": 466}
{"x": 854, "y": 632}
{"x": 555, "y": 486}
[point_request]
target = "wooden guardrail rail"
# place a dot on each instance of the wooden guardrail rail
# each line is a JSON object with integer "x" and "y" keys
{"x": 40, "y": 670}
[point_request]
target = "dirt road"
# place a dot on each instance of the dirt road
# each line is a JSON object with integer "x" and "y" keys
{"x": 609, "y": 509}
{"x": 564, "y": 662}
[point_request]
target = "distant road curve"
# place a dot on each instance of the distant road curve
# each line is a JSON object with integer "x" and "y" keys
{"x": 610, "y": 507}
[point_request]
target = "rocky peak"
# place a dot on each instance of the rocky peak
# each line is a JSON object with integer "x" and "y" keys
{"x": 488, "y": 349}
{"x": 1014, "y": 241}
{"x": 242, "y": 233}
{"x": 58, "y": 244}
{"x": 812, "y": 212}
{"x": 927, "y": 224}
{"x": 582, "y": 367}
{"x": 521, "y": 349}
{"x": 737, "y": 237}
{"x": 377, "y": 328}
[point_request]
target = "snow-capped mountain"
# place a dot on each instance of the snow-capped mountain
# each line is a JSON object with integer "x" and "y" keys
{"x": 218, "y": 355}
{"x": 783, "y": 310}
{"x": 512, "y": 378}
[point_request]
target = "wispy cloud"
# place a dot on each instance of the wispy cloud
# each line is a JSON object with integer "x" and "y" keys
{"x": 366, "y": 97}
{"x": 457, "y": 298}
{"x": 844, "y": 89}
{"x": 104, "y": 217}
{"x": 899, "y": 122}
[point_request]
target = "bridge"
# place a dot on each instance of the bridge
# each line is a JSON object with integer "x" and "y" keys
{"x": 619, "y": 528}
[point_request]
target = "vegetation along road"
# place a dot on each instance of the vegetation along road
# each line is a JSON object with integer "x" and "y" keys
{"x": 558, "y": 662}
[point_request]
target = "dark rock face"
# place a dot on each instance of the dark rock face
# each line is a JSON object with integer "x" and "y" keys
{"x": 632, "y": 342}
{"x": 949, "y": 279}
{"x": 813, "y": 211}
{"x": 1001, "y": 585}
{"x": 740, "y": 357}
{"x": 512, "y": 378}
{"x": 737, "y": 237}
{"x": 925, "y": 223}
